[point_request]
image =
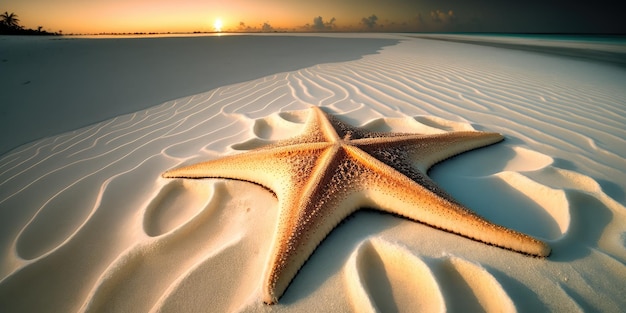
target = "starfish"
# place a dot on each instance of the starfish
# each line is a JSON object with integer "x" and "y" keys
{"x": 333, "y": 169}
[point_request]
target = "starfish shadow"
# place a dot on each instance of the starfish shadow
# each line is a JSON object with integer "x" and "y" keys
{"x": 474, "y": 180}
{"x": 590, "y": 218}
{"x": 333, "y": 253}
{"x": 612, "y": 189}
{"x": 524, "y": 298}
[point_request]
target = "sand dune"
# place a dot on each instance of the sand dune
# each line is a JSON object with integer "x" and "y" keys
{"x": 88, "y": 224}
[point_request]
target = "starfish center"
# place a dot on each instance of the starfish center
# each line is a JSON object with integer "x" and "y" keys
{"x": 334, "y": 169}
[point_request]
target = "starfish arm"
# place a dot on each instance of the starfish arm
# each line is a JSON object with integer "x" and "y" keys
{"x": 393, "y": 192}
{"x": 281, "y": 169}
{"x": 323, "y": 123}
{"x": 317, "y": 128}
{"x": 444, "y": 146}
{"x": 304, "y": 221}
{"x": 427, "y": 150}
{"x": 332, "y": 169}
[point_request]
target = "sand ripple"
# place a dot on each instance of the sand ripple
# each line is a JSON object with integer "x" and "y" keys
{"x": 175, "y": 203}
{"x": 86, "y": 222}
{"x": 380, "y": 275}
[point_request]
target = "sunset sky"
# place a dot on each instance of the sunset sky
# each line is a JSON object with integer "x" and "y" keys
{"x": 96, "y": 16}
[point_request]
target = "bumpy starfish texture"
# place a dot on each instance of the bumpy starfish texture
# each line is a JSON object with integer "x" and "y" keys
{"x": 333, "y": 169}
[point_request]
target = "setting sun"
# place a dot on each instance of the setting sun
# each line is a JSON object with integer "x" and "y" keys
{"x": 218, "y": 25}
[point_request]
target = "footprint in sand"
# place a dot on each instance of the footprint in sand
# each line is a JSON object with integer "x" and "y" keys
{"x": 385, "y": 277}
{"x": 279, "y": 125}
{"x": 381, "y": 275}
{"x": 173, "y": 205}
{"x": 546, "y": 211}
{"x": 418, "y": 124}
{"x": 495, "y": 184}
{"x": 274, "y": 127}
{"x": 470, "y": 288}
{"x": 595, "y": 218}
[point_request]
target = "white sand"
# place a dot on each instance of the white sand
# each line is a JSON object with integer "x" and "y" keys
{"x": 86, "y": 222}
{"x": 61, "y": 84}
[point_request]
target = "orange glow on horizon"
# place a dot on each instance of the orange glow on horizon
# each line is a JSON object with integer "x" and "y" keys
{"x": 162, "y": 16}
{"x": 115, "y": 16}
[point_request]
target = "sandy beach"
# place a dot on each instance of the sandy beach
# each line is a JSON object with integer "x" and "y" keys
{"x": 88, "y": 224}
{"x": 63, "y": 84}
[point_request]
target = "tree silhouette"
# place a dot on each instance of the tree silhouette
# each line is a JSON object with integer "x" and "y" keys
{"x": 10, "y": 25}
{"x": 10, "y": 20}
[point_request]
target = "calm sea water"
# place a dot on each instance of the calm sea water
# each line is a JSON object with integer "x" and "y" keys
{"x": 612, "y": 39}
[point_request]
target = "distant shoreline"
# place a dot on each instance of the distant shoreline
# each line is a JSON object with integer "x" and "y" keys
{"x": 576, "y": 48}
{"x": 104, "y": 78}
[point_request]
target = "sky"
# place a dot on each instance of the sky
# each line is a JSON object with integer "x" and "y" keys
{"x": 128, "y": 16}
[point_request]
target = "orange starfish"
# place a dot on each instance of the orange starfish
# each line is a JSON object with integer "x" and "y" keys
{"x": 334, "y": 169}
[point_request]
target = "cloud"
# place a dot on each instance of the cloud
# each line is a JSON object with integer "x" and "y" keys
{"x": 369, "y": 22}
{"x": 442, "y": 17}
{"x": 441, "y": 21}
{"x": 319, "y": 24}
{"x": 243, "y": 27}
{"x": 267, "y": 27}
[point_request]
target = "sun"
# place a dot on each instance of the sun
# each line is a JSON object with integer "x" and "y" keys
{"x": 218, "y": 25}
